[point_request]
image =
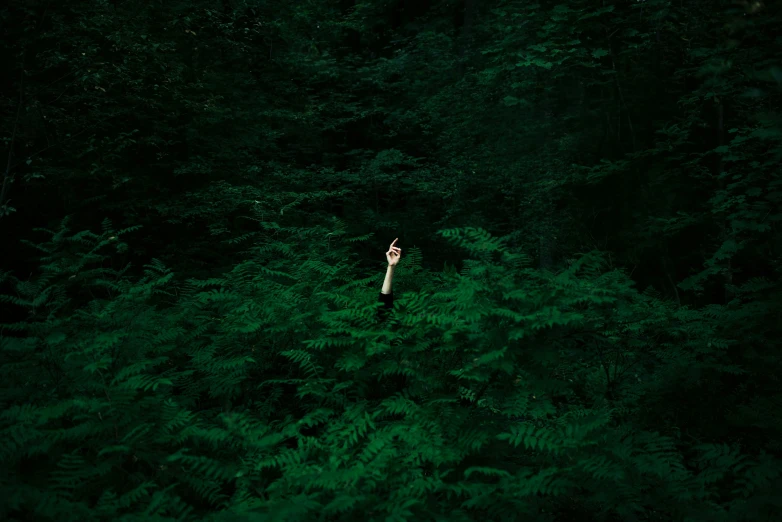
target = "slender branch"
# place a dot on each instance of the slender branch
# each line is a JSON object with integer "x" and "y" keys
{"x": 603, "y": 364}
{"x": 7, "y": 177}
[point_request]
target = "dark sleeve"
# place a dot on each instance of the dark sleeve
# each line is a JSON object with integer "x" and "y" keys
{"x": 388, "y": 304}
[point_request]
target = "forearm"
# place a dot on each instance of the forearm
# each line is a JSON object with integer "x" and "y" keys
{"x": 389, "y": 278}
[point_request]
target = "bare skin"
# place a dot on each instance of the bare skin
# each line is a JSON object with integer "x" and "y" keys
{"x": 392, "y": 256}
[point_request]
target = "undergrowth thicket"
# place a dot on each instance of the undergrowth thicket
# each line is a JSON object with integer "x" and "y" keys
{"x": 272, "y": 393}
{"x": 588, "y": 310}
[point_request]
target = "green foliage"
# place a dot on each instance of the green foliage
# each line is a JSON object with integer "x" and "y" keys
{"x": 500, "y": 391}
{"x": 598, "y": 181}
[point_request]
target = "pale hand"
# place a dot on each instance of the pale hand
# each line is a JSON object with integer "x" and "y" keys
{"x": 393, "y": 254}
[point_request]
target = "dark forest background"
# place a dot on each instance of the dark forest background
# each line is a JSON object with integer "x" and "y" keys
{"x": 194, "y": 212}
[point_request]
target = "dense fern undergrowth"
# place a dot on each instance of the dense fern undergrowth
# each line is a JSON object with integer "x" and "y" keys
{"x": 498, "y": 392}
{"x": 587, "y": 314}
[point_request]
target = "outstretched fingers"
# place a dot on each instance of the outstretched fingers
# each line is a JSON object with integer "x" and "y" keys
{"x": 394, "y": 249}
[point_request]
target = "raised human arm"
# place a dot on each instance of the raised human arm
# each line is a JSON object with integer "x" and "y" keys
{"x": 386, "y": 295}
{"x": 392, "y": 256}
{"x": 388, "y": 280}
